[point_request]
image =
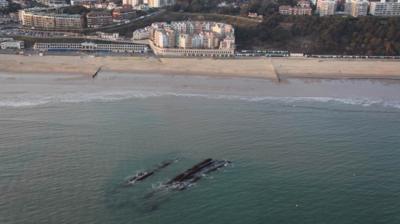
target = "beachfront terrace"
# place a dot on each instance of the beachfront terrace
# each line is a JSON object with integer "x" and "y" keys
{"x": 89, "y": 46}
{"x": 182, "y": 52}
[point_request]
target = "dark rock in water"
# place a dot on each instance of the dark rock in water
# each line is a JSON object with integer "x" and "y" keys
{"x": 140, "y": 176}
{"x": 195, "y": 173}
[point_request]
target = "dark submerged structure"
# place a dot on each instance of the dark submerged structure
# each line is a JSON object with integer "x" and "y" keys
{"x": 195, "y": 173}
{"x": 140, "y": 176}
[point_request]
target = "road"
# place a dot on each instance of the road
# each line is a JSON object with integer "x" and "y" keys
{"x": 126, "y": 24}
{"x": 13, "y": 30}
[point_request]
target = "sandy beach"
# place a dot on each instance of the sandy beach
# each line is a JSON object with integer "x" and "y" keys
{"x": 269, "y": 68}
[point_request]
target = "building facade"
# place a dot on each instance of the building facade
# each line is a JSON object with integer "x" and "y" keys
{"x": 385, "y": 8}
{"x": 89, "y": 46}
{"x": 46, "y": 19}
{"x": 53, "y": 3}
{"x": 302, "y": 8}
{"x": 181, "y": 52}
{"x": 3, "y": 4}
{"x": 159, "y": 3}
{"x": 192, "y": 38}
{"x": 85, "y": 3}
{"x": 326, "y": 7}
{"x": 97, "y": 19}
{"x": 125, "y": 12}
{"x": 356, "y": 8}
{"x": 12, "y": 44}
{"x": 141, "y": 34}
{"x": 133, "y": 3}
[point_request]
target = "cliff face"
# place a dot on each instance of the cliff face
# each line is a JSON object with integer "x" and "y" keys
{"x": 323, "y": 35}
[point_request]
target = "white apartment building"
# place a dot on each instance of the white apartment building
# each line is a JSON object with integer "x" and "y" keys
{"x": 385, "y": 8}
{"x": 228, "y": 43}
{"x": 141, "y": 34}
{"x": 161, "y": 38}
{"x": 356, "y": 8}
{"x": 185, "y": 41}
{"x": 326, "y": 7}
{"x": 198, "y": 41}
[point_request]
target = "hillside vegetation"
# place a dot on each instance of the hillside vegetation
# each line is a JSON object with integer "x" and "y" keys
{"x": 308, "y": 34}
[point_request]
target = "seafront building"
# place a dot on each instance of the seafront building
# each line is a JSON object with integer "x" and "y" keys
{"x": 90, "y": 46}
{"x": 385, "y": 8}
{"x": 108, "y": 36}
{"x": 326, "y": 7}
{"x": 192, "y": 38}
{"x": 47, "y": 19}
{"x": 356, "y": 8}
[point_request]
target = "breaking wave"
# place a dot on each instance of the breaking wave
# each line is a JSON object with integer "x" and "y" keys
{"x": 110, "y": 96}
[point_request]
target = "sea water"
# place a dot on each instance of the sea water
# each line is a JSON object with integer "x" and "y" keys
{"x": 302, "y": 151}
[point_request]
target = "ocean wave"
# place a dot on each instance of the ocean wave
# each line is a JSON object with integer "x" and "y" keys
{"x": 110, "y": 96}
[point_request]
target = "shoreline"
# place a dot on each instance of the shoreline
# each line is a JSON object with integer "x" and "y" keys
{"x": 277, "y": 69}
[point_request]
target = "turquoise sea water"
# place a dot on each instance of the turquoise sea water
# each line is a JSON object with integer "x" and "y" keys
{"x": 302, "y": 152}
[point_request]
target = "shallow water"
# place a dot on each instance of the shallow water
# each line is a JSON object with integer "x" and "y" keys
{"x": 302, "y": 152}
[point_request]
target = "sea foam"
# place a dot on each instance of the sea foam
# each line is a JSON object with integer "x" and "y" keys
{"x": 110, "y": 96}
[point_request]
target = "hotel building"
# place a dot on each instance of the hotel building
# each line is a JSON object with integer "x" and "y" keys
{"x": 385, "y": 8}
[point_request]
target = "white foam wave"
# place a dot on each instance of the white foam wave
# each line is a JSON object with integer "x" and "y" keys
{"x": 109, "y": 96}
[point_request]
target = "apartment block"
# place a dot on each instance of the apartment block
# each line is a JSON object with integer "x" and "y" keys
{"x": 326, "y": 7}
{"x": 356, "y": 8}
{"x": 385, "y": 8}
